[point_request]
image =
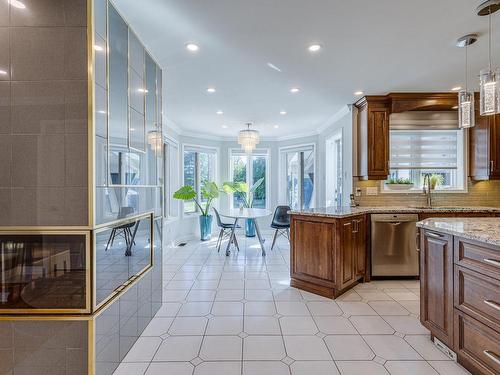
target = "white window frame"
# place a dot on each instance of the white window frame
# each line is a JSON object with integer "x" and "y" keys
{"x": 331, "y": 167}
{"x": 257, "y": 152}
{"x": 462, "y": 171}
{"x": 168, "y": 188}
{"x": 283, "y": 169}
{"x": 203, "y": 149}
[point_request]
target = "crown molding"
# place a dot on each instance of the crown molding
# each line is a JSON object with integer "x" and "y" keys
{"x": 333, "y": 119}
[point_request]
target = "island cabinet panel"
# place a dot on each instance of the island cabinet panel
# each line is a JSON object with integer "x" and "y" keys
{"x": 313, "y": 243}
{"x": 327, "y": 254}
{"x": 436, "y": 283}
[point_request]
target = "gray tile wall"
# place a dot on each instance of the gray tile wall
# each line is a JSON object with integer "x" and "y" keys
{"x": 43, "y": 113}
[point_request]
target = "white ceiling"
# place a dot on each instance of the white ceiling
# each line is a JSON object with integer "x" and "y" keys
{"x": 376, "y": 46}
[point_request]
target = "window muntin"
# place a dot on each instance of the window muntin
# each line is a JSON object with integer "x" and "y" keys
{"x": 199, "y": 166}
{"x": 250, "y": 168}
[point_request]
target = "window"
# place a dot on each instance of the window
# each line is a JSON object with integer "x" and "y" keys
{"x": 199, "y": 166}
{"x": 250, "y": 169}
{"x": 171, "y": 165}
{"x": 415, "y": 153}
{"x": 334, "y": 169}
{"x": 299, "y": 176}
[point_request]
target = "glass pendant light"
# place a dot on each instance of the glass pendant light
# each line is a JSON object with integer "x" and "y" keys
{"x": 466, "y": 117}
{"x": 248, "y": 139}
{"x": 488, "y": 78}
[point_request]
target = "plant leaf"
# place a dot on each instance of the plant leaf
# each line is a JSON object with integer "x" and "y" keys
{"x": 256, "y": 185}
{"x": 185, "y": 193}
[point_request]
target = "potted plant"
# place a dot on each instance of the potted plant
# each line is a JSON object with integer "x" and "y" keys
{"x": 399, "y": 183}
{"x": 209, "y": 192}
{"x": 246, "y": 194}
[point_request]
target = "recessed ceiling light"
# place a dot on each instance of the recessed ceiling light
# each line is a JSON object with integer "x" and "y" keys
{"x": 358, "y": 93}
{"x": 142, "y": 90}
{"x": 192, "y": 47}
{"x": 102, "y": 112}
{"x": 315, "y": 47}
{"x": 3, "y": 73}
{"x": 454, "y": 107}
{"x": 294, "y": 90}
{"x": 274, "y": 67}
{"x": 211, "y": 89}
{"x": 224, "y": 126}
{"x": 456, "y": 88}
{"x": 219, "y": 112}
{"x": 276, "y": 126}
{"x": 98, "y": 48}
{"x": 17, "y": 4}
{"x": 283, "y": 113}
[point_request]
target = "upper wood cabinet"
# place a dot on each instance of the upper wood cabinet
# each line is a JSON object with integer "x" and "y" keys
{"x": 373, "y": 126}
{"x": 373, "y": 137}
{"x": 484, "y": 147}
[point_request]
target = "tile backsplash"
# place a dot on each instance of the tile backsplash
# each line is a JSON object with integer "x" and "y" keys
{"x": 479, "y": 193}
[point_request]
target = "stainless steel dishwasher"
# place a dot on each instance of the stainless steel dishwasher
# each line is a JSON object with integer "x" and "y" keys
{"x": 393, "y": 238}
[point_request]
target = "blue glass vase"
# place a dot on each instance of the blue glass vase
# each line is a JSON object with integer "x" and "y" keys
{"x": 249, "y": 228}
{"x": 205, "y": 227}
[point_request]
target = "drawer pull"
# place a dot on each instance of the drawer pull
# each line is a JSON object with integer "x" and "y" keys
{"x": 493, "y": 304}
{"x": 494, "y": 262}
{"x": 491, "y": 355}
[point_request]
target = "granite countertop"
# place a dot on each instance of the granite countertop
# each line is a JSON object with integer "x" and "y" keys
{"x": 345, "y": 211}
{"x": 485, "y": 230}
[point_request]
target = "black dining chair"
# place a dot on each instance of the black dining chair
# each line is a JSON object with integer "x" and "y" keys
{"x": 225, "y": 231}
{"x": 281, "y": 222}
{"x": 124, "y": 230}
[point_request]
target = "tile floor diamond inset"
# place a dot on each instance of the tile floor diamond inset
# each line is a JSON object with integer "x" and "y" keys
{"x": 216, "y": 323}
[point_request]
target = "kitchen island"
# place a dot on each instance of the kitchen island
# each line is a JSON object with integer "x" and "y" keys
{"x": 330, "y": 246}
{"x": 459, "y": 288}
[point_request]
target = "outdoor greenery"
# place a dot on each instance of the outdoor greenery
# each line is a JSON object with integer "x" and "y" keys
{"x": 399, "y": 181}
{"x": 436, "y": 180}
{"x": 245, "y": 192}
{"x": 259, "y": 173}
{"x": 209, "y": 192}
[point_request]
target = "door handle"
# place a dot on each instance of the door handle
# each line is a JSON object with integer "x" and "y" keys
{"x": 395, "y": 223}
{"x": 492, "y": 355}
{"x": 493, "y": 262}
{"x": 493, "y": 304}
{"x": 417, "y": 240}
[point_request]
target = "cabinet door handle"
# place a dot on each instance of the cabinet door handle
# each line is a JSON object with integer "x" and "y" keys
{"x": 417, "y": 241}
{"x": 494, "y": 262}
{"x": 493, "y": 304}
{"x": 492, "y": 165}
{"x": 492, "y": 355}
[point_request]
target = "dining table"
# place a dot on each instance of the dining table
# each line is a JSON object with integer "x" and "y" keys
{"x": 245, "y": 213}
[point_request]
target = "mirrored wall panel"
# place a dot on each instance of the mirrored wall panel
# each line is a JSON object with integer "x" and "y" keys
{"x": 44, "y": 271}
{"x": 129, "y": 139}
{"x": 121, "y": 253}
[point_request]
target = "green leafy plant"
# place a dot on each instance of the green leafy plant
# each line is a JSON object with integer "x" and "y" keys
{"x": 209, "y": 192}
{"x": 399, "y": 181}
{"x": 436, "y": 180}
{"x": 242, "y": 190}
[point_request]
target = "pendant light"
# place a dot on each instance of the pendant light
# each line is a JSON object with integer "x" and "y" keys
{"x": 488, "y": 78}
{"x": 248, "y": 138}
{"x": 466, "y": 118}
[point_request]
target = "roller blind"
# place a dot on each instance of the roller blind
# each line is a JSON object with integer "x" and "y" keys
{"x": 424, "y": 149}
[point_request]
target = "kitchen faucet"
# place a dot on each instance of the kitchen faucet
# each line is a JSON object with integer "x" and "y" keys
{"x": 427, "y": 192}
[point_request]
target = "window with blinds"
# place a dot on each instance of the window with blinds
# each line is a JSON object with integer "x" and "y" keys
{"x": 421, "y": 149}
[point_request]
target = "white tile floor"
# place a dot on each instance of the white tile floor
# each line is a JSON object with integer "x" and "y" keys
{"x": 237, "y": 315}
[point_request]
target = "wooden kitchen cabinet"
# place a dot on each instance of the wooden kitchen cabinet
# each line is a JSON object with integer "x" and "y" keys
{"x": 484, "y": 148}
{"x": 436, "y": 284}
{"x": 328, "y": 255}
{"x": 373, "y": 137}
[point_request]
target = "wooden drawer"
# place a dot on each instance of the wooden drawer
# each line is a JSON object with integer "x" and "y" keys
{"x": 479, "y": 257}
{"x": 477, "y": 346}
{"x": 478, "y": 296}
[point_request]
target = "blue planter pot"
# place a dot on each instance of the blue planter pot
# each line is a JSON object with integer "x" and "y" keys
{"x": 205, "y": 227}
{"x": 249, "y": 228}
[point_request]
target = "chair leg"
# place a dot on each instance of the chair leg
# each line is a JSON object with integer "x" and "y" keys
{"x": 219, "y": 240}
{"x": 274, "y": 238}
{"x": 236, "y": 242}
{"x": 111, "y": 237}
